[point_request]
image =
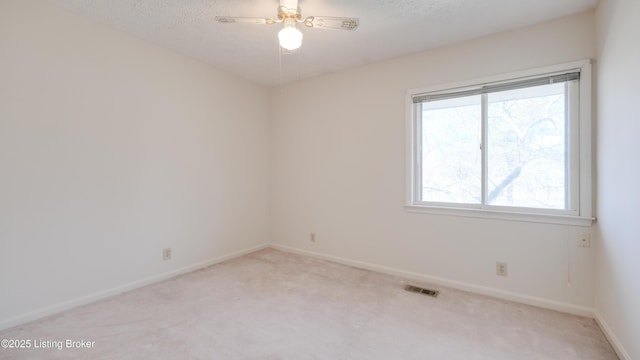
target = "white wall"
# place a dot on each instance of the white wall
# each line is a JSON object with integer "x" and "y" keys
{"x": 112, "y": 149}
{"x": 338, "y": 155}
{"x": 618, "y": 248}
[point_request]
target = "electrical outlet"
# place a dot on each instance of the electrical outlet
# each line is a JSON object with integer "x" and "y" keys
{"x": 584, "y": 240}
{"x": 166, "y": 254}
{"x": 312, "y": 237}
{"x": 501, "y": 269}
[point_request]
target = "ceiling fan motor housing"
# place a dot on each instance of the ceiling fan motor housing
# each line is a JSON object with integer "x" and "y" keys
{"x": 286, "y": 13}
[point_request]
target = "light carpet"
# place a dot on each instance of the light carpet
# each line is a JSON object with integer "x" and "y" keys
{"x": 276, "y": 305}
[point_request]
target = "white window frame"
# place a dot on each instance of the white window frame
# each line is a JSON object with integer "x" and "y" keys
{"x": 579, "y": 144}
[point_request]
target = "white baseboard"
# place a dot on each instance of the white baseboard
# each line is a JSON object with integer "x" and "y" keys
{"x": 53, "y": 309}
{"x": 530, "y": 300}
{"x": 613, "y": 339}
{"x": 506, "y": 295}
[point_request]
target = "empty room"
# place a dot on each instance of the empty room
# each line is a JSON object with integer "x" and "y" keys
{"x": 319, "y": 179}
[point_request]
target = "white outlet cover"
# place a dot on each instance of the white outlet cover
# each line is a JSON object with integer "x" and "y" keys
{"x": 584, "y": 240}
{"x": 501, "y": 269}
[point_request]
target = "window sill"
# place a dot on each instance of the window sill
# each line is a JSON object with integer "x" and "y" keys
{"x": 502, "y": 215}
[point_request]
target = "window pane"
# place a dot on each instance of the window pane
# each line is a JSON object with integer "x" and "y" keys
{"x": 451, "y": 156}
{"x": 526, "y": 136}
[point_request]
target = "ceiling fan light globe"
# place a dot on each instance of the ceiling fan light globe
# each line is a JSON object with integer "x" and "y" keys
{"x": 290, "y": 38}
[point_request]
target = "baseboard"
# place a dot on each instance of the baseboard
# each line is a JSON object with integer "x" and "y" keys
{"x": 506, "y": 295}
{"x": 535, "y": 301}
{"x": 613, "y": 339}
{"x": 53, "y": 309}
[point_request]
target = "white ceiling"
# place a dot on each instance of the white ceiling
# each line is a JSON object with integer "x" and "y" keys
{"x": 388, "y": 29}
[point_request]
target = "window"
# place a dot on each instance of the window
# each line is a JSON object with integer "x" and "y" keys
{"x": 515, "y": 146}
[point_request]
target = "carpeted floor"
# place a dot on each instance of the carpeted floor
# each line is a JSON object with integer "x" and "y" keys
{"x": 276, "y": 305}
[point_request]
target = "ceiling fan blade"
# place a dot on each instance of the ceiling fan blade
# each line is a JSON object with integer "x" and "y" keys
{"x": 331, "y": 22}
{"x": 245, "y": 20}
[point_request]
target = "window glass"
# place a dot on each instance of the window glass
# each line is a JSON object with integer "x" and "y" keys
{"x": 451, "y": 157}
{"x": 527, "y": 164}
{"x": 513, "y": 147}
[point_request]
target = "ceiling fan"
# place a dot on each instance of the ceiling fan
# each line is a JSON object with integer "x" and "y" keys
{"x": 289, "y": 37}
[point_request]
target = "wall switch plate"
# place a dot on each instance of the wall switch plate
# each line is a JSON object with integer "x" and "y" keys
{"x": 584, "y": 240}
{"x": 501, "y": 269}
{"x": 166, "y": 254}
{"x": 312, "y": 237}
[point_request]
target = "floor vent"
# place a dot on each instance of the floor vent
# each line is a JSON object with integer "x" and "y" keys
{"x": 419, "y": 290}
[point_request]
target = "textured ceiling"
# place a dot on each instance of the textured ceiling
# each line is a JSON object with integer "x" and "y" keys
{"x": 388, "y": 28}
